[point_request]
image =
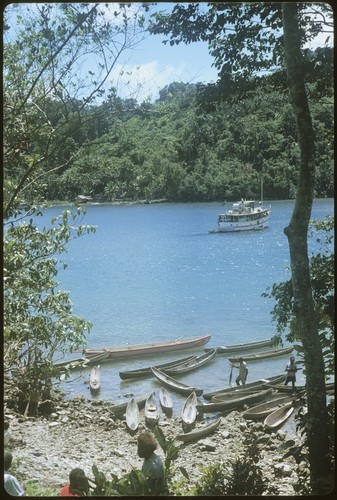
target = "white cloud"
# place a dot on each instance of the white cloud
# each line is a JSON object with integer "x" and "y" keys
{"x": 145, "y": 80}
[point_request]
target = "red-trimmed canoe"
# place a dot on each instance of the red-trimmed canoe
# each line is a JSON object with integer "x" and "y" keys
{"x": 131, "y": 350}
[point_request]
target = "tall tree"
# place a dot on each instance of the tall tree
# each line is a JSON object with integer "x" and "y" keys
{"x": 297, "y": 234}
{"x": 245, "y": 38}
{"x": 45, "y": 92}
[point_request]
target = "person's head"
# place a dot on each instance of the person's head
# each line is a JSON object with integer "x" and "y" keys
{"x": 8, "y": 458}
{"x": 146, "y": 444}
{"x": 78, "y": 481}
{"x": 292, "y": 359}
{"x": 240, "y": 360}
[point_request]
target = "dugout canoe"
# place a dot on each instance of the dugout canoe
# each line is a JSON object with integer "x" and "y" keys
{"x": 132, "y": 415}
{"x": 173, "y": 384}
{"x": 278, "y": 417}
{"x": 255, "y": 385}
{"x": 119, "y": 409}
{"x": 261, "y": 411}
{"x": 234, "y": 403}
{"x": 224, "y": 349}
{"x": 146, "y": 371}
{"x": 95, "y": 380}
{"x": 191, "y": 365}
{"x": 189, "y": 412}
{"x": 166, "y": 401}
{"x": 200, "y": 432}
{"x": 272, "y": 353}
{"x": 151, "y": 410}
{"x": 132, "y": 350}
{"x": 95, "y": 359}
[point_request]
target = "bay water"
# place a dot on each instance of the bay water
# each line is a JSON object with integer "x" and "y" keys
{"x": 153, "y": 272}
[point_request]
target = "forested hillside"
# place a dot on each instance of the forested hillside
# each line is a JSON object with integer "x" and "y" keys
{"x": 193, "y": 144}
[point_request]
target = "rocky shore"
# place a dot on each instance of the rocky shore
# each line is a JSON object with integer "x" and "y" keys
{"x": 80, "y": 433}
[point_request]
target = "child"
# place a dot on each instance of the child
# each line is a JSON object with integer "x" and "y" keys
{"x": 12, "y": 485}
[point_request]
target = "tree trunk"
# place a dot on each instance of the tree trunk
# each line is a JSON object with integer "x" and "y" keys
{"x": 297, "y": 234}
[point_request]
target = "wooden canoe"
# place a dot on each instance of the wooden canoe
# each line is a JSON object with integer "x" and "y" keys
{"x": 189, "y": 412}
{"x": 132, "y": 415}
{"x": 262, "y": 410}
{"x": 279, "y": 416}
{"x": 285, "y": 388}
{"x": 272, "y": 353}
{"x": 95, "y": 359}
{"x": 242, "y": 347}
{"x": 151, "y": 410}
{"x": 191, "y": 365}
{"x": 229, "y": 396}
{"x": 255, "y": 385}
{"x": 119, "y": 409}
{"x": 166, "y": 401}
{"x": 146, "y": 371}
{"x": 95, "y": 380}
{"x": 200, "y": 432}
{"x": 173, "y": 384}
{"x": 132, "y": 350}
{"x": 71, "y": 363}
{"x": 233, "y": 403}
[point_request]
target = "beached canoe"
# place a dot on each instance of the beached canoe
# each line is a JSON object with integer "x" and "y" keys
{"x": 200, "y": 432}
{"x": 241, "y": 347}
{"x": 191, "y": 365}
{"x": 132, "y": 350}
{"x": 132, "y": 415}
{"x": 166, "y": 401}
{"x": 234, "y": 403}
{"x": 272, "y": 353}
{"x": 262, "y": 410}
{"x": 146, "y": 371}
{"x": 119, "y": 409}
{"x": 278, "y": 417}
{"x": 189, "y": 412}
{"x": 173, "y": 384}
{"x": 151, "y": 410}
{"x": 288, "y": 389}
{"x": 255, "y": 385}
{"x": 95, "y": 380}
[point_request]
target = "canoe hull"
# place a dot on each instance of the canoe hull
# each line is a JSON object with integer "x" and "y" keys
{"x": 189, "y": 412}
{"x": 152, "y": 348}
{"x": 242, "y": 347}
{"x": 273, "y": 353}
{"x": 95, "y": 380}
{"x": 278, "y": 417}
{"x": 146, "y": 371}
{"x": 233, "y": 403}
{"x": 199, "y": 433}
{"x": 166, "y": 401}
{"x": 151, "y": 410}
{"x": 255, "y": 385}
{"x": 174, "y": 385}
{"x": 132, "y": 415}
{"x": 194, "y": 364}
{"x": 262, "y": 410}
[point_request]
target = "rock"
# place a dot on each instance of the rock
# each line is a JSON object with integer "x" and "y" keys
{"x": 54, "y": 424}
{"x": 283, "y": 470}
{"x": 225, "y": 434}
{"x": 207, "y": 445}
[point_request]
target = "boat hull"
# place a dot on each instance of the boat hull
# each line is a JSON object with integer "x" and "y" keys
{"x": 273, "y": 353}
{"x": 278, "y": 417}
{"x": 241, "y": 347}
{"x": 132, "y": 415}
{"x": 233, "y": 403}
{"x": 151, "y": 348}
{"x": 146, "y": 372}
{"x": 200, "y": 432}
{"x": 189, "y": 412}
{"x": 191, "y": 365}
{"x": 173, "y": 384}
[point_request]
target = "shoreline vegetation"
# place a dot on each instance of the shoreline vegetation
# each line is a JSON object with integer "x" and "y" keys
{"x": 80, "y": 433}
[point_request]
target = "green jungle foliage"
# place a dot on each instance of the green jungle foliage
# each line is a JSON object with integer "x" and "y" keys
{"x": 185, "y": 147}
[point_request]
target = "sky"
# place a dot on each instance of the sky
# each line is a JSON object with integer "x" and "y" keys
{"x": 151, "y": 65}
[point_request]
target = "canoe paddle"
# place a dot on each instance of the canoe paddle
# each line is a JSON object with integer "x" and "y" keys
{"x": 230, "y": 376}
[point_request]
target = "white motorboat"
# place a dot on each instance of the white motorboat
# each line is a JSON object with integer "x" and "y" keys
{"x": 244, "y": 216}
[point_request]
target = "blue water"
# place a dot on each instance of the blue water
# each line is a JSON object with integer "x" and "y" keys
{"x": 153, "y": 272}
